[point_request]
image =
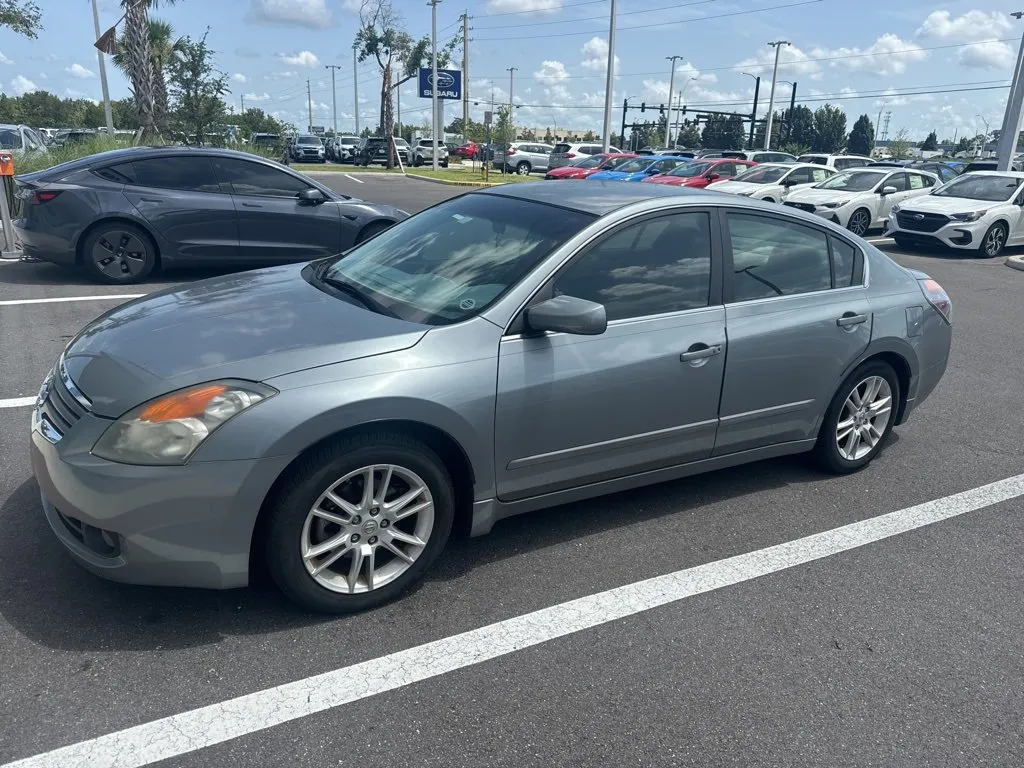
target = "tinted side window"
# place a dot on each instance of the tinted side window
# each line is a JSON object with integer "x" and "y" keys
{"x": 122, "y": 173}
{"x": 772, "y": 257}
{"x": 246, "y": 178}
{"x": 656, "y": 266}
{"x": 844, "y": 260}
{"x": 800, "y": 176}
{"x": 176, "y": 172}
{"x": 898, "y": 180}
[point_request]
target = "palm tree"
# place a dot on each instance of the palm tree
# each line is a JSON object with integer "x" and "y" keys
{"x": 162, "y": 47}
{"x": 140, "y": 59}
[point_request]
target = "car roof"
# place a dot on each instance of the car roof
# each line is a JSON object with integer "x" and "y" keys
{"x": 1014, "y": 174}
{"x": 596, "y": 197}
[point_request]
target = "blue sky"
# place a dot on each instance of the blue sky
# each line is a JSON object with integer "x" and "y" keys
{"x": 942, "y": 67}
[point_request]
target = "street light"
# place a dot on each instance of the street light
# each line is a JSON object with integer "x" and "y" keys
{"x": 777, "y": 45}
{"x": 671, "y": 87}
{"x": 679, "y": 109}
{"x": 1014, "y": 105}
{"x": 753, "y": 114}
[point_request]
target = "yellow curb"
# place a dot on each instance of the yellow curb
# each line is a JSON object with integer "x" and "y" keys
{"x": 451, "y": 183}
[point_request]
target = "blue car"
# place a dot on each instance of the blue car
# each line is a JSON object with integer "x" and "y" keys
{"x": 640, "y": 168}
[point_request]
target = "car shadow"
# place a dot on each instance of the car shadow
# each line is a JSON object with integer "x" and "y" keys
{"x": 55, "y": 603}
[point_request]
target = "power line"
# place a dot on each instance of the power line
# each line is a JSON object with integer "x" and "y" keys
{"x": 561, "y": 8}
{"x": 600, "y": 18}
{"x": 661, "y": 24}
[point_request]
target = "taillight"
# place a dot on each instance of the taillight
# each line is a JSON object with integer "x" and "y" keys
{"x": 938, "y": 298}
{"x": 570, "y": 155}
{"x": 510, "y": 152}
{"x": 40, "y": 197}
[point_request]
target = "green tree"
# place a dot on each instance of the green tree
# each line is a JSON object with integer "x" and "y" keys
{"x": 798, "y": 126}
{"x": 899, "y": 145}
{"x": 503, "y": 131}
{"x": 777, "y": 131}
{"x": 931, "y": 143}
{"x": 254, "y": 121}
{"x": 829, "y": 129}
{"x": 615, "y": 141}
{"x": 734, "y": 133}
{"x": 963, "y": 145}
{"x": 689, "y": 136}
{"x": 455, "y": 126}
{"x": 140, "y": 60}
{"x": 862, "y": 137}
{"x": 163, "y": 45}
{"x": 22, "y": 17}
{"x": 589, "y": 136}
{"x": 548, "y": 137}
{"x": 196, "y": 87}
{"x": 530, "y": 135}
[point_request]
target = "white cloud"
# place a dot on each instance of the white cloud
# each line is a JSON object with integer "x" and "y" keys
{"x": 22, "y": 85}
{"x": 312, "y": 14}
{"x": 888, "y": 55}
{"x": 281, "y": 75}
{"x": 77, "y": 70}
{"x": 972, "y": 27}
{"x": 352, "y": 6}
{"x": 4, "y": 59}
{"x": 595, "y": 55}
{"x": 551, "y": 73}
{"x": 524, "y": 6}
{"x": 989, "y": 55}
{"x": 238, "y": 77}
{"x": 300, "y": 59}
{"x": 256, "y": 97}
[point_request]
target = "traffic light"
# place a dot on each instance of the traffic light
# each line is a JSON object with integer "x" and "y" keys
{"x": 643, "y": 106}
{"x": 661, "y": 109}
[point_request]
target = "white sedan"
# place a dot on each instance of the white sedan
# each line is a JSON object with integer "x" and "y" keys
{"x": 773, "y": 182}
{"x": 861, "y": 199}
{"x": 980, "y": 211}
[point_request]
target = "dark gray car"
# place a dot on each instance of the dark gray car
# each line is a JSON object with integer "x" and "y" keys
{"x": 504, "y": 351}
{"x": 121, "y": 214}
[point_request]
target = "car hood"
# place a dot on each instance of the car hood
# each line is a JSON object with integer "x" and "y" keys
{"x": 611, "y": 175}
{"x": 736, "y": 187}
{"x": 812, "y": 195}
{"x": 943, "y": 204}
{"x": 252, "y": 326}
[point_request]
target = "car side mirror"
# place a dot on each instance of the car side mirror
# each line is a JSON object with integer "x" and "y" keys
{"x": 568, "y": 314}
{"x": 888, "y": 191}
{"x": 712, "y": 177}
{"x": 652, "y": 171}
{"x": 311, "y": 196}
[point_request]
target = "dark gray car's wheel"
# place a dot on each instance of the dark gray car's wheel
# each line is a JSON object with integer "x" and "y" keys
{"x": 994, "y": 241}
{"x": 859, "y": 418}
{"x": 359, "y": 522}
{"x": 860, "y": 222}
{"x": 119, "y": 253}
{"x": 523, "y": 168}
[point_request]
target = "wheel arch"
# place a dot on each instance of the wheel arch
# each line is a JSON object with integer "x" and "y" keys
{"x": 901, "y": 357}
{"x": 116, "y": 219}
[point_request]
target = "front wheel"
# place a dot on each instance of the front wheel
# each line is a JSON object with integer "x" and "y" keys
{"x": 859, "y": 419}
{"x": 994, "y": 241}
{"x": 523, "y": 169}
{"x": 359, "y": 522}
{"x": 860, "y": 222}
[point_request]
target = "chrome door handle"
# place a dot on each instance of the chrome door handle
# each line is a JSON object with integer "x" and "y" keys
{"x": 700, "y": 352}
{"x": 851, "y": 319}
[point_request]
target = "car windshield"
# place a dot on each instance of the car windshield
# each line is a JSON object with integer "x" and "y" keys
{"x": 452, "y": 261}
{"x": 992, "y": 188}
{"x": 690, "y": 170}
{"x": 309, "y": 140}
{"x": 816, "y": 159}
{"x": 349, "y": 141}
{"x": 635, "y": 165}
{"x": 591, "y": 161}
{"x": 852, "y": 181}
{"x": 10, "y": 139}
{"x": 762, "y": 175}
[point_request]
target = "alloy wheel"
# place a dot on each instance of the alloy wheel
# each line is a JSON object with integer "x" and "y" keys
{"x": 859, "y": 223}
{"x": 864, "y": 418}
{"x": 994, "y": 241}
{"x": 367, "y": 528}
{"x": 119, "y": 254}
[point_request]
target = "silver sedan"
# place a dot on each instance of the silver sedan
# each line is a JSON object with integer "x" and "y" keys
{"x": 508, "y": 350}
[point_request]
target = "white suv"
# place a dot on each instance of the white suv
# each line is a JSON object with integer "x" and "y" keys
{"x": 566, "y": 153}
{"x": 839, "y": 162}
{"x": 423, "y": 153}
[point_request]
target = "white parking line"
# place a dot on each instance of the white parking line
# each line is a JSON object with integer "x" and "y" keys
{"x": 880, "y": 240}
{"x": 17, "y": 402}
{"x": 198, "y": 728}
{"x": 353, "y": 178}
{"x": 109, "y": 297}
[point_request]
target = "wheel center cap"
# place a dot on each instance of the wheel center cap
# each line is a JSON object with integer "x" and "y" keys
{"x": 370, "y": 526}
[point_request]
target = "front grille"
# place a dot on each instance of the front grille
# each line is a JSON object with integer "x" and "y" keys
{"x": 802, "y": 206}
{"x": 64, "y": 404}
{"x": 921, "y": 222}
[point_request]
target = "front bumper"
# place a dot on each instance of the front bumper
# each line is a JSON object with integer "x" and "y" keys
{"x": 186, "y": 526}
{"x": 956, "y": 234}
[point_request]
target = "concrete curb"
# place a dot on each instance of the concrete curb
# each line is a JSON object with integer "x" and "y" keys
{"x": 1015, "y": 262}
{"x": 451, "y": 183}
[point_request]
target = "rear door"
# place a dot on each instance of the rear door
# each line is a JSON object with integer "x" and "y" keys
{"x": 273, "y": 226}
{"x": 182, "y": 200}
{"x": 797, "y": 316}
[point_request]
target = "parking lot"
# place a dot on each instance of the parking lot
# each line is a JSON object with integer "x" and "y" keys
{"x": 905, "y": 651}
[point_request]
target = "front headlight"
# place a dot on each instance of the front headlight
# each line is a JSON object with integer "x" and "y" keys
{"x": 833, "y": 205}
{"x": 745, "y": 194}
{"x": 169, "y": 429}
{"x": 970, "y": 216}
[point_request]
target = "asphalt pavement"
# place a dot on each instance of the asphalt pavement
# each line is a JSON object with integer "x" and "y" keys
{"x": 901, "y": 652}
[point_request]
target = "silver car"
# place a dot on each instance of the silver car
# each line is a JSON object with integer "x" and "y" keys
{"x": 523, "y": 157}
{"x": 508, "y": 350}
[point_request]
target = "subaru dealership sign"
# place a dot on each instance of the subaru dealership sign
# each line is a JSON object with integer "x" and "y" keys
{"x": 449, "y": 83}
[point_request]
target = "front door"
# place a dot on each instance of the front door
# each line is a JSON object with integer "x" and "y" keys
{"x": 573, "y": 410}
{"x": 798, "y": 318}
{"x": 273, "y": 226}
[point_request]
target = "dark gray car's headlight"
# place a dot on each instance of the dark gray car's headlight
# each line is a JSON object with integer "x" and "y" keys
{"x": 170, "y": 428}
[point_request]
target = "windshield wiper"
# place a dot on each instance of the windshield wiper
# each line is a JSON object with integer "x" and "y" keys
{"x": 357, "y": 293}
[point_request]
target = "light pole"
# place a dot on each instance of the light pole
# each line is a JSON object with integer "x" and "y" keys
{"x": 777, "y": 45}
{"x": 609, "y": 81}
{"x": 433, "y": 78}
{"x": 334, "y": 96}
{"x": 355, "y": 83}
{"x": 679, "y": 109}
{"x": 1014, "y": 105}
{"x": 671, "y": 87}
{"x": 984, "y": 144}
{"x": 103, "y": 71}
{"x": 511, "y": 73}
{"x": 753, "y": 114}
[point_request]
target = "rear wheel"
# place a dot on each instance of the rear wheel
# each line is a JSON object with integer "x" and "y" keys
{"x": 994, "y": 241}
{"x": 119, "y": 253}
{"x": 860, "y": 222}
{"x": 417, "y": 161}
{"x": 523, "y": 168}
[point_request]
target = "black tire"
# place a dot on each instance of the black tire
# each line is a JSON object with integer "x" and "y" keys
{"x": 307, "y": 481}
{"x": 417, "y": 161}
{"x": 372, "y": 230}
{"x": 523, "y": 168}
{"x": 859, "y": 225}
{"x": 444, "y": 163}
{"x": 994, "y": 241}
{"x": 768, "y": 199}
{"x": 903, "y": 242}
{"x": 826, "y": 451}
{"x": 119, "y": 253}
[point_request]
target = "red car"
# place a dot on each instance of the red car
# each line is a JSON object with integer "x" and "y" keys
{"x": 700, "y": 173}
{"x": 580, "y": 169}
{"x": 468, "y": 151}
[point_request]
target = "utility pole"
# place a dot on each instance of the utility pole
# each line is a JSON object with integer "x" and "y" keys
{"x": 609, "y": 83}
{"x": 777, "y": 45}
{"x": 108, "y": 113}
{"x": 753, "y": 113}
{"x": 242, "y": 97}
{"x": 355, "y": 84}
{"x": 1011, "y": 118}
{"x": 465, "y": 72}
{"x": 878, "y": 122}
{"x": 334, "y": 96}
{"x": 671, "y": 87}
{"x": 511, "y": 73}
{"x": 885, "y": 125}
{"x": 433, "y": 78}
{"x": 792, "y": 106}
{"x": 309, "y": 105}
